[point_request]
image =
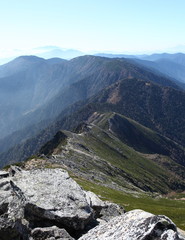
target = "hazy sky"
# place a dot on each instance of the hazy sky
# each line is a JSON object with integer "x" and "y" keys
{"x": 87, "y": 25}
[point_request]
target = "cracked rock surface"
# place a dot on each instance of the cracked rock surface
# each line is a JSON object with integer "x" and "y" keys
{"x": 52, "y": 195}
{"x": 135, "y": 225}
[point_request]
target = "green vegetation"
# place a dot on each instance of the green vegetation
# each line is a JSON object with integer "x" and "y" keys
{"x": 141, "y": 171}
{"x": 174, "y": 209}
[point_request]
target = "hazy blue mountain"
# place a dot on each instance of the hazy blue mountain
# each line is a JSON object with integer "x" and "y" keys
{"x": 178, "y": 58}
{"x": 171, "y": 69}
{"x": 57, "y": 52}
{"x": 55, "y": 60}
{"x": 78, "y": 80}
{"x": 171, "y": 65}
{"x": 42, "y": 89}
{"x": 25, "y": 84}
{"x": 112, "y": 55}
{"x": 19, "y": 64}
{"x": 46, "y": 52}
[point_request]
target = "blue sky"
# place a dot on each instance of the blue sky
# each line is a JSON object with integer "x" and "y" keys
{"x": 133, "y": 26}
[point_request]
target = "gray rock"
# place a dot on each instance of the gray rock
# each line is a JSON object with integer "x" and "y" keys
{"x": 104, "y": 210}
{"x": 93, "y": 200}
{"x": 51, "y": 195}
{"x": 181, "y": 232}
{"x": 46, "y": 197}
{"x": 135, "y": 225}
{"x": 110, "y": 210}
{"x": 50, "y": 233}
{"x": 12, "y": 222}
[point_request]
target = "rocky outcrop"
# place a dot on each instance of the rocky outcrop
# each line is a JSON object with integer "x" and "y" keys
{"x": 46, "y": 204}
{"x": 51, "y": 195}
{"x": 135, "y": 225}
{"x": 41, "y": 198}
{"x": 103, "y": 210}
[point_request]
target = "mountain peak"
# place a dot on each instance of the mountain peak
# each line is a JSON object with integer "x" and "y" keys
{"x": 29, "y": 58}
{"x": 19, "y": 64}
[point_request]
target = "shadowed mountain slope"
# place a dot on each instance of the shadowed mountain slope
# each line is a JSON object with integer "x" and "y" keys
{"x": 156, "y": 107}
{"x": 159, "y": 108}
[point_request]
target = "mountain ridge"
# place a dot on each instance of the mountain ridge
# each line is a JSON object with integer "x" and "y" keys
{"x": 46, "y": 83}
{"x": 144, "y": 109}
{"x": 96, "y": 139}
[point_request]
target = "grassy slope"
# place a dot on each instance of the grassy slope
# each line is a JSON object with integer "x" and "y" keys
{"x": 145, "y": 172}
{"x": 174, "y": 209}
{"x": 107, "y": 155}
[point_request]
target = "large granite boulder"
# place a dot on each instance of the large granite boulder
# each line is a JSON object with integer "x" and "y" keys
{"x": 40, "y": 198}
{"x": 52, "y": 196}
{"x": 135, "y": 225}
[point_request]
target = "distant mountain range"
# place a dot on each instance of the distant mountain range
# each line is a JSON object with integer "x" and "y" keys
{"x": 110, "y": 108}
{"x": 44, "y": 52}
{"x": 39, "y": 89}
{"x": 172, "y": 65}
